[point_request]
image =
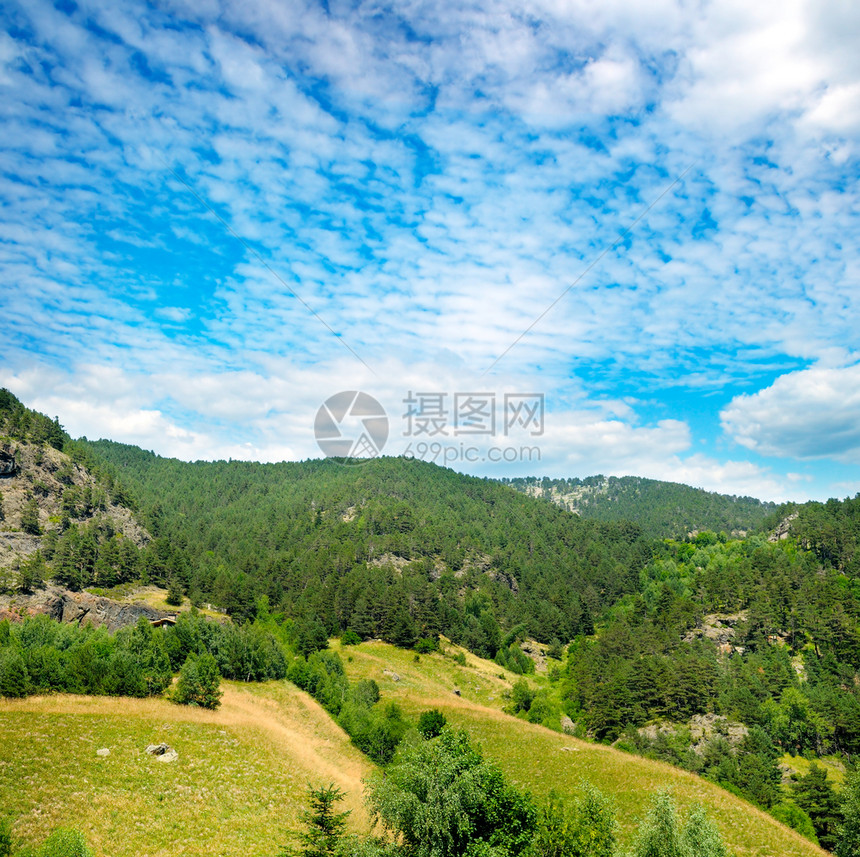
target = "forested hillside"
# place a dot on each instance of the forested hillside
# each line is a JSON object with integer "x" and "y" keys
{"x": 662, "y": 509}
{"x": 760, "y": 636}
{"x": 830, "y": 530}
{"x": 60, "y": 515}
{"x": 396, "y": 548}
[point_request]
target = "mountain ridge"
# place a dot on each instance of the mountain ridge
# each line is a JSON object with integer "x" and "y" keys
{"x": 663, "y": 509}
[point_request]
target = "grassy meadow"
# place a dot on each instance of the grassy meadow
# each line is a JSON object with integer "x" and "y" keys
{"x": 236, "y": 789}
{"x": 240, "y": 781}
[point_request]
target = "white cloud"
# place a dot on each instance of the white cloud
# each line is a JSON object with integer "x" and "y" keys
{"x": 429, "y": 178}
{"x": 807, "y": 414}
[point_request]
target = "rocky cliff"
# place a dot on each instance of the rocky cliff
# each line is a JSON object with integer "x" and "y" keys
{"x": 43, "y": 490}
{"x": 78, "y": 607}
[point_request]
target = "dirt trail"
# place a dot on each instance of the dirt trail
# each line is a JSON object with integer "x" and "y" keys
{"x": 295, "y": 725}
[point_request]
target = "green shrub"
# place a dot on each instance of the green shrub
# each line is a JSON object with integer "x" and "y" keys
{"x": 426, "y": 645}
{"x": 662, "y": 833}
{"x": 64, "y": 842}
{"x": 199, "y": 682}
{"x": 431, "y": 723}
{"x": 589, "y": 830}
{"x": 791, "y": 815}
{"x": 444, "y": 800}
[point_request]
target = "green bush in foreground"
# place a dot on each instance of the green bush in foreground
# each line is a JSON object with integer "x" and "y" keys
{"x": 431, "y": 723}
{"x": 663, "y": 835}
{"x": 199, "y": 682}
{"x": 443, "y": 799}
{"x": 588, "y": 830}
{"x": 63, "y": 842}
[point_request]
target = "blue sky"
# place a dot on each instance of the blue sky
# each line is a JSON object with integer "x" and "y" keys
{"x": 215, "y": 215}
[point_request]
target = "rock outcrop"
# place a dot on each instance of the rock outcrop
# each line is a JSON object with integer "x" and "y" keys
{"x": 783, "y": 528}
{"x": 162, "y": 752}
{"x": 43, "y": 480}
{"x": 8, "y": 465}
{"x": 81, "y": 608}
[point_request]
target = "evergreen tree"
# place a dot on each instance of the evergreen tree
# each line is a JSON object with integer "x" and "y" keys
{"x": 324, "y": 826}
{"x": 30, "y": 518}
{"x": 311, "y": 636}
{"x": 14, "y": 679}
{"x": 32, "y": 573}
{"x": 814, "y": 794}
{"x": 174, "y": 592}
{"x": 199, "y": 681}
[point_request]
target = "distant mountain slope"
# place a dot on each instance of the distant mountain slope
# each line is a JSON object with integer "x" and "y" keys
{"x": 662, "y": 509}
{"x": 373, "y": 547}
{"x": 831, "y": 530}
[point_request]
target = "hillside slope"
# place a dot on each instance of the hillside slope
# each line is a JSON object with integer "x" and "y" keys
{"x": 373, "y": 548}
{"x": 237, "y": 788}
{"x": 46, "y": 494}
{"x": 239, "y": 784}
{"x": 541, "y": 760}
{"x": 662, "y": 509}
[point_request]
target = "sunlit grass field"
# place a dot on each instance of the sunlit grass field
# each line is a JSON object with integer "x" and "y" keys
{"x": 236, "y": 789}
{"x": 240, "y": 781}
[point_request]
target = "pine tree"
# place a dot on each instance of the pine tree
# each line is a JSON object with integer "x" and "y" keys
{"x": 814, "y": 794}
{"x": 30, "y": 518}
{"x": 325, "y": 827}
{"x": 174, "y": 592}
{"x": 14, "y": 680}
{"x": 32, "y": 573}
{"x": 199, "y": 682}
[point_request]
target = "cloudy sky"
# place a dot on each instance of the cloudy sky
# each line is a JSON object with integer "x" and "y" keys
{"x": 215, "y": 215}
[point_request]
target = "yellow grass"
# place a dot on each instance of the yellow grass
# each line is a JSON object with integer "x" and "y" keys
{"x": 236, "y": 789}
{"x": 833, "y": 764}
{"x": 542, "y": 760}
{"x": 155, "y": 597}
